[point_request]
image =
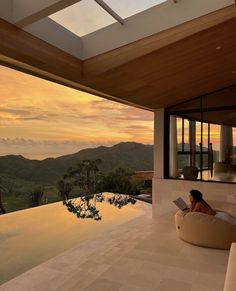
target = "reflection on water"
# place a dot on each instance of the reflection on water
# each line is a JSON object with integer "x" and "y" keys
{"x": 85, "y": 207}
{"x": 120, "y": 200}
{"x": 32, "y": 236}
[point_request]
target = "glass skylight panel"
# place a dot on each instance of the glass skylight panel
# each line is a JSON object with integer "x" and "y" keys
{"x": 84, "y": 17}
{"x": 126, "y": 8}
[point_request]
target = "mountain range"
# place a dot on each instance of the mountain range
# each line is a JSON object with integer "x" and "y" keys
{"x": 135, "y": 156}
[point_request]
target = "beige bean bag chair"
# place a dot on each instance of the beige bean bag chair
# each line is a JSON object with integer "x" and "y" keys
{"x": 205, "y": 230}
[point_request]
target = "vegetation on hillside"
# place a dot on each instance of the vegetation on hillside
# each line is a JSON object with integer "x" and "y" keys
{"x": 130, "y": 155}
{"x": 2, "y": 192}
{"x": 26, "y": 183}
{"x": 30, "y": 183}
{"x": 120, "y": 181}
{"x": 90, "y": 183}
{"x": 82, "y": 179}
{"x": 86, "y": 175}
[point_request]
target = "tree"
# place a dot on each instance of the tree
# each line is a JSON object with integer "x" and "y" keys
{"x": 120, "y": 181}
{"x": 85, "y": 175}
{"x": 64, "y": 189}
{"x": 37, "y": 196}
{"x": 2, "y": 192}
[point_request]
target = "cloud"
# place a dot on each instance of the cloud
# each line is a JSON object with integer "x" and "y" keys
{"x": 138, "y": 127}
{"x": 106, "y": 104}
{"x": 41, "y": 149}
{"x": 40, "y": 116}
{"x": 14, "y": 111}
{"x": 19, "y": 141}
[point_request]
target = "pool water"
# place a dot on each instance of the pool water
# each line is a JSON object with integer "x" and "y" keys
{"x": 32, "y": 236}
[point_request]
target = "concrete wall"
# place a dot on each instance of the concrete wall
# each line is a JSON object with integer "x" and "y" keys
{"x": 166, "y": 190}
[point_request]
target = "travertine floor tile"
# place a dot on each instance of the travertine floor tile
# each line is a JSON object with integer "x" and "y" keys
{"x": 136, "y": 288}
{"x": 180, "y": 274}
{"x": 173, "y": 285}
{"x": 102, "y": 285}
{"x": 144, "y": 280}
{"x": 136, "y": 256}
{"x": 117, "y": 274}
{"x": 94, "y": 267}
{"x": 211, "y": 280}
{"x": 203, "y": 288}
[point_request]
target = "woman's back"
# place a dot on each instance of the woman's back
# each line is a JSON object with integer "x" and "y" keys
{"x": 203, "y": 207}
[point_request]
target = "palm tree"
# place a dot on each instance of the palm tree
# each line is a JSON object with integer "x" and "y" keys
{"x": 85, "y": 175}
{"x": 2, "y": 192}
{"x": 64, "y": 188}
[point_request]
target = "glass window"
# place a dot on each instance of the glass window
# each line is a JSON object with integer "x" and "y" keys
{"x": 186, "y": 134}
{"x": 179, "y": 132}
{"x": 206, "y": 138}
{"x": 127, "y": 8}
{"x": 84, "y": 17}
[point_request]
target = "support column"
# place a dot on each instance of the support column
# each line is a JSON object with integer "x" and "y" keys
{"x": 173, "y": 163}
{"x": 226, "y": 144}
{"x": 158, "y": 161}
{"x": 159, "y": 144}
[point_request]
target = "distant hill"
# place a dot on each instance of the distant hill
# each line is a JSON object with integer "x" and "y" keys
{"x": 132, "y": 155}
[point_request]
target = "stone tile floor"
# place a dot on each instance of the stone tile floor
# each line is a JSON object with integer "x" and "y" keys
{"x": 141, "y": 255}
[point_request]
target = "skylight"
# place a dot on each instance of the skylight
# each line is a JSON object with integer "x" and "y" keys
{"x": 127, "y": 8}
{"x": 84, "y": 17}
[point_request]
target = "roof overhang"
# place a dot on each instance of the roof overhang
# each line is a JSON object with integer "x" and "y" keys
{"x": 33, "y": 17}
{"x": 189, "y": 59}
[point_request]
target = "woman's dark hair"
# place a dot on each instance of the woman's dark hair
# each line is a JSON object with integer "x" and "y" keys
{"x": 197, "y": 195}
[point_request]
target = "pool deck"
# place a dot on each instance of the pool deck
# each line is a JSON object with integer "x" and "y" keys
{"x": 139, "y": 255}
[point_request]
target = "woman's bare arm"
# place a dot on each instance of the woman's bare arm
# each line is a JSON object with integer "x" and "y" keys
{"x": 192, "y": 206}
{"x": 197, "y": 207}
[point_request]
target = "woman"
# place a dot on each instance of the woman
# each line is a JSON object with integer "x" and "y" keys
{"x": 198, "y": 204}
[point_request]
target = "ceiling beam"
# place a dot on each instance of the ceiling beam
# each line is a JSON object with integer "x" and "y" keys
{"x": 110, "y": 11}
{"x": 21, "y": 51}
{"x": 53, "y": 33}
{"x": 25, "y": 48}
{"x": 26, "y": 12}
{"x": 120, "y": 56}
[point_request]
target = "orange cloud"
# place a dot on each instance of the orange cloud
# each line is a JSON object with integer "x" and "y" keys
{"x": 33, "y": 110}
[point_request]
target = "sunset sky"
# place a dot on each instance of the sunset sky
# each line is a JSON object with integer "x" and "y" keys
{"x": 39, "y": 119}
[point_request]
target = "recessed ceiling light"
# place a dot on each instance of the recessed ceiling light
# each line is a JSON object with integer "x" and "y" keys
{"x": 218, "y": 47}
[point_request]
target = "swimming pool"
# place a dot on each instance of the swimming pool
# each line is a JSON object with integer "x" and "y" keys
{"x": 30, "y": 237}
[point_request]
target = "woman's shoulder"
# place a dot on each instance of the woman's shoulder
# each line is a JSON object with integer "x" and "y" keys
{"x": 199, "y": 203}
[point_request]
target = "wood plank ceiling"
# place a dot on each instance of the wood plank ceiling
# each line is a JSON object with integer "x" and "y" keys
{"x": 192, "y": 66}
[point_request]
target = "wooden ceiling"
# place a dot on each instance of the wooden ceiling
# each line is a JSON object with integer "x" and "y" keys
{"x": 194, "y": 66}
{"x": 218, "y": 107}
{"x": 151, "y": 78}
